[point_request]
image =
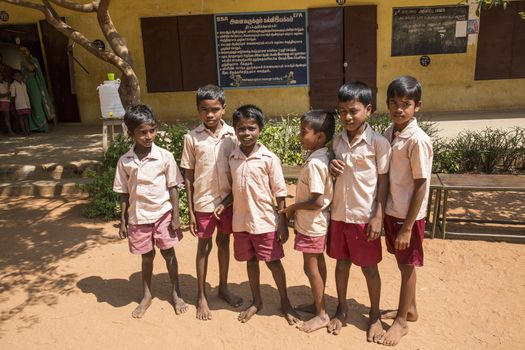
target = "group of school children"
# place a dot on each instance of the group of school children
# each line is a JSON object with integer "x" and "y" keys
{"x": 347, "y": 192}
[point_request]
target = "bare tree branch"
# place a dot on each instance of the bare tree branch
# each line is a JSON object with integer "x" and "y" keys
{"x": 25, "y": 3}
{"x": 113, "y": 37}
{"x": 70, "y": 5}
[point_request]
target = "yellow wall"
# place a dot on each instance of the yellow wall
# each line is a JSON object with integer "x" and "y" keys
{"x": 448, "y": 82}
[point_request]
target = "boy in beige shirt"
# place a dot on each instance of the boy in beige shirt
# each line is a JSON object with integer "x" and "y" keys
{"x": 207, "y": 176}
{"x": 311, "y": 208}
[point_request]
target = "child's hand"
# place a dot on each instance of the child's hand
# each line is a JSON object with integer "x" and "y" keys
{"x": 403, "y": 238}
{"x": 175, "y": 222}
{"x": 336, "y": 167}
{"x": 282, "y": 231}
{"x": 374, "y": 228}
{"x": 288, "y": 211}
{"x": 193, "y": 225}
{"x": 218, "y": 211}
{"x": 123, "y": 231}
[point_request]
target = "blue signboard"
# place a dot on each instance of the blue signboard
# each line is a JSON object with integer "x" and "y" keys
{"x": 262, "y": 49}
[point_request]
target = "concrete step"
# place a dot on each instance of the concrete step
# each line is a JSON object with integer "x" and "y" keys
{"x": 51, "y": 171}
{"x": 43, "y": 188}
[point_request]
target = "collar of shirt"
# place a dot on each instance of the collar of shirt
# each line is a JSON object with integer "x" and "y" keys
{"x": 153, "y": 154}
{"x": 258, "y": 152}
{"x": 365, "y": 136}
{"x": 316, "y": 154}
{"x": 408, "y": 131}
{"x": 225, "y": 130}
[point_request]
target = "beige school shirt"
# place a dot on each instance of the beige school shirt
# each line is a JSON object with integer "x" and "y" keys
{"x": 19, "y": 92}
{"x": 314, "y": 178}
{"x": 147, "y": 182}
{"x": 411, "y": 159}
{"x": 256, "y": 181}
{"x": 207, "y": 155}
{"x": 355, "y": 189}
{"x": 4, "y": 89}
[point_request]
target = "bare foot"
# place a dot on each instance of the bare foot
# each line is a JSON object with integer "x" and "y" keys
{"x": 203, "y": 311}
{"x": 141, "y": 309}
{"x": 338, "y": 322}
{"x": 230, "y": 298}
{"x": 314, "y": 324}
{"x": 249, "y": 312}
{"x": 292, "y": 317}
{"x": 412, "y": 315}
{"x": 179, "y": 305}
{"x": 394, "y": 334}
{"x": 308, "y": 308}
{"x": 375, "y": 330}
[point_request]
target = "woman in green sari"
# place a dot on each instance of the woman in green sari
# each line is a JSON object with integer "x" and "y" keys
{"x": 42, "y": 109}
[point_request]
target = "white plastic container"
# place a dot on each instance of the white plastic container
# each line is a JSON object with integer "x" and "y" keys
{"x": 110, "y": 104}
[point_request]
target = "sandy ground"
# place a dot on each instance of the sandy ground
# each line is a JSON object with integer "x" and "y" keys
{"x": 68, "y": 282}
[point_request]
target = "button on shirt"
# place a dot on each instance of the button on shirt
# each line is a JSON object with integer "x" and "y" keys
{"x": 147, "y": 182}
{"x": 314, "y": 178}
{"x": 256, "y": 181}
{"x": 411, "y": 159}
{"x": 207, "y": 155}
{"x": 355, "y": 189}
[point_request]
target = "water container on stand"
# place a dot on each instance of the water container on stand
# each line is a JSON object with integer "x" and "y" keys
{"x": 110, "y": 104}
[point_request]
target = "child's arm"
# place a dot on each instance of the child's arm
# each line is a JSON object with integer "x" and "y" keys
{"x": 226, "y": 202}
{"x": 124, "y": 205}
{"x": 7, "y": 94}
{"x": 174, "y": 199}
{"x": 189, "y": 177}
{"x": 376, "y": 222}
{"x": 403, "y": 237}
{"x": 316, "y": 201}
{"x": 282, "y": 228}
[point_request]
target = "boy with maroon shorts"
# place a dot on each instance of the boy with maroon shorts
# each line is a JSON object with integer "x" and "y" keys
{"x": 361, "y": 167}
{"x": 410, "y": 171}
{"x": 207, "y": 177}
{"x": 146, "y": 178}
{"x": 311, "y": 209}
{"x": 259, "y": 231}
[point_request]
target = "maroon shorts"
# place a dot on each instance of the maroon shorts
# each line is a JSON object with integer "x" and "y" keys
{"x": 25, "y": 111}
{"x": 206, "y": 223}
{"x": 263, "y": 246}
{"x": 142, "y": 237}
{"x": 5, "y": 106}
{"x": 413, "y": 255}
{"x": 347, "y": 241}
{"x": 309, "y": 244}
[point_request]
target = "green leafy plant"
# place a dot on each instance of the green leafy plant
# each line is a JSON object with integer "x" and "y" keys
{"x": 281, "y": 137}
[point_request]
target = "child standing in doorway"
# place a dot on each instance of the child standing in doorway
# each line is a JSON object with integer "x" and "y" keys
{"x": 20, "y": 98}
{"x": 208, "y": 183}
{"x": 146, "y": 178}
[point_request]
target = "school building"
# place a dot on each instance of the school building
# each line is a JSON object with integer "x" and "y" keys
{"x": 285, "y": 56}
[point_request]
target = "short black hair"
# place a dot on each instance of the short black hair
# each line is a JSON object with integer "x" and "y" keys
{"x": 321, "y": 121}
{"x": 355, "y": 91}
{"x": 404, "y": 86}
{"x": 136, "y": 115}
{"x": 210, "y": 92}
{"x": 248, "y": 112}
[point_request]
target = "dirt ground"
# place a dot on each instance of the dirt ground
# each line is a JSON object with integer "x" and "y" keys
{"x": 68, "y": 282}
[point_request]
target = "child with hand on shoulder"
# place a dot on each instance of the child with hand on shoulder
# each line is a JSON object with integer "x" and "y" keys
{"x": 311, "y": 209}
{"x": 146, "y": 178}
{"x": 259, "y": 231}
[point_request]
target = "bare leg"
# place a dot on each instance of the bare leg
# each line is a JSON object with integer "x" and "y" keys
{"x": 8, "y": 123}
{"x": 173, "y": 270}
{"x": 342, "y": 272}
{"x": 252, "y": 266}
{"x": 373, "y": 282}
{"x": 147, "y": 271}
{"x": 204, "y": 247}
{"x": 223, "y": 245}
{"x": 279, "y": 277}
{"x": 407, "y": 295}
{"x": 310, "y": 308}
{"x": 311, "y": 269}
